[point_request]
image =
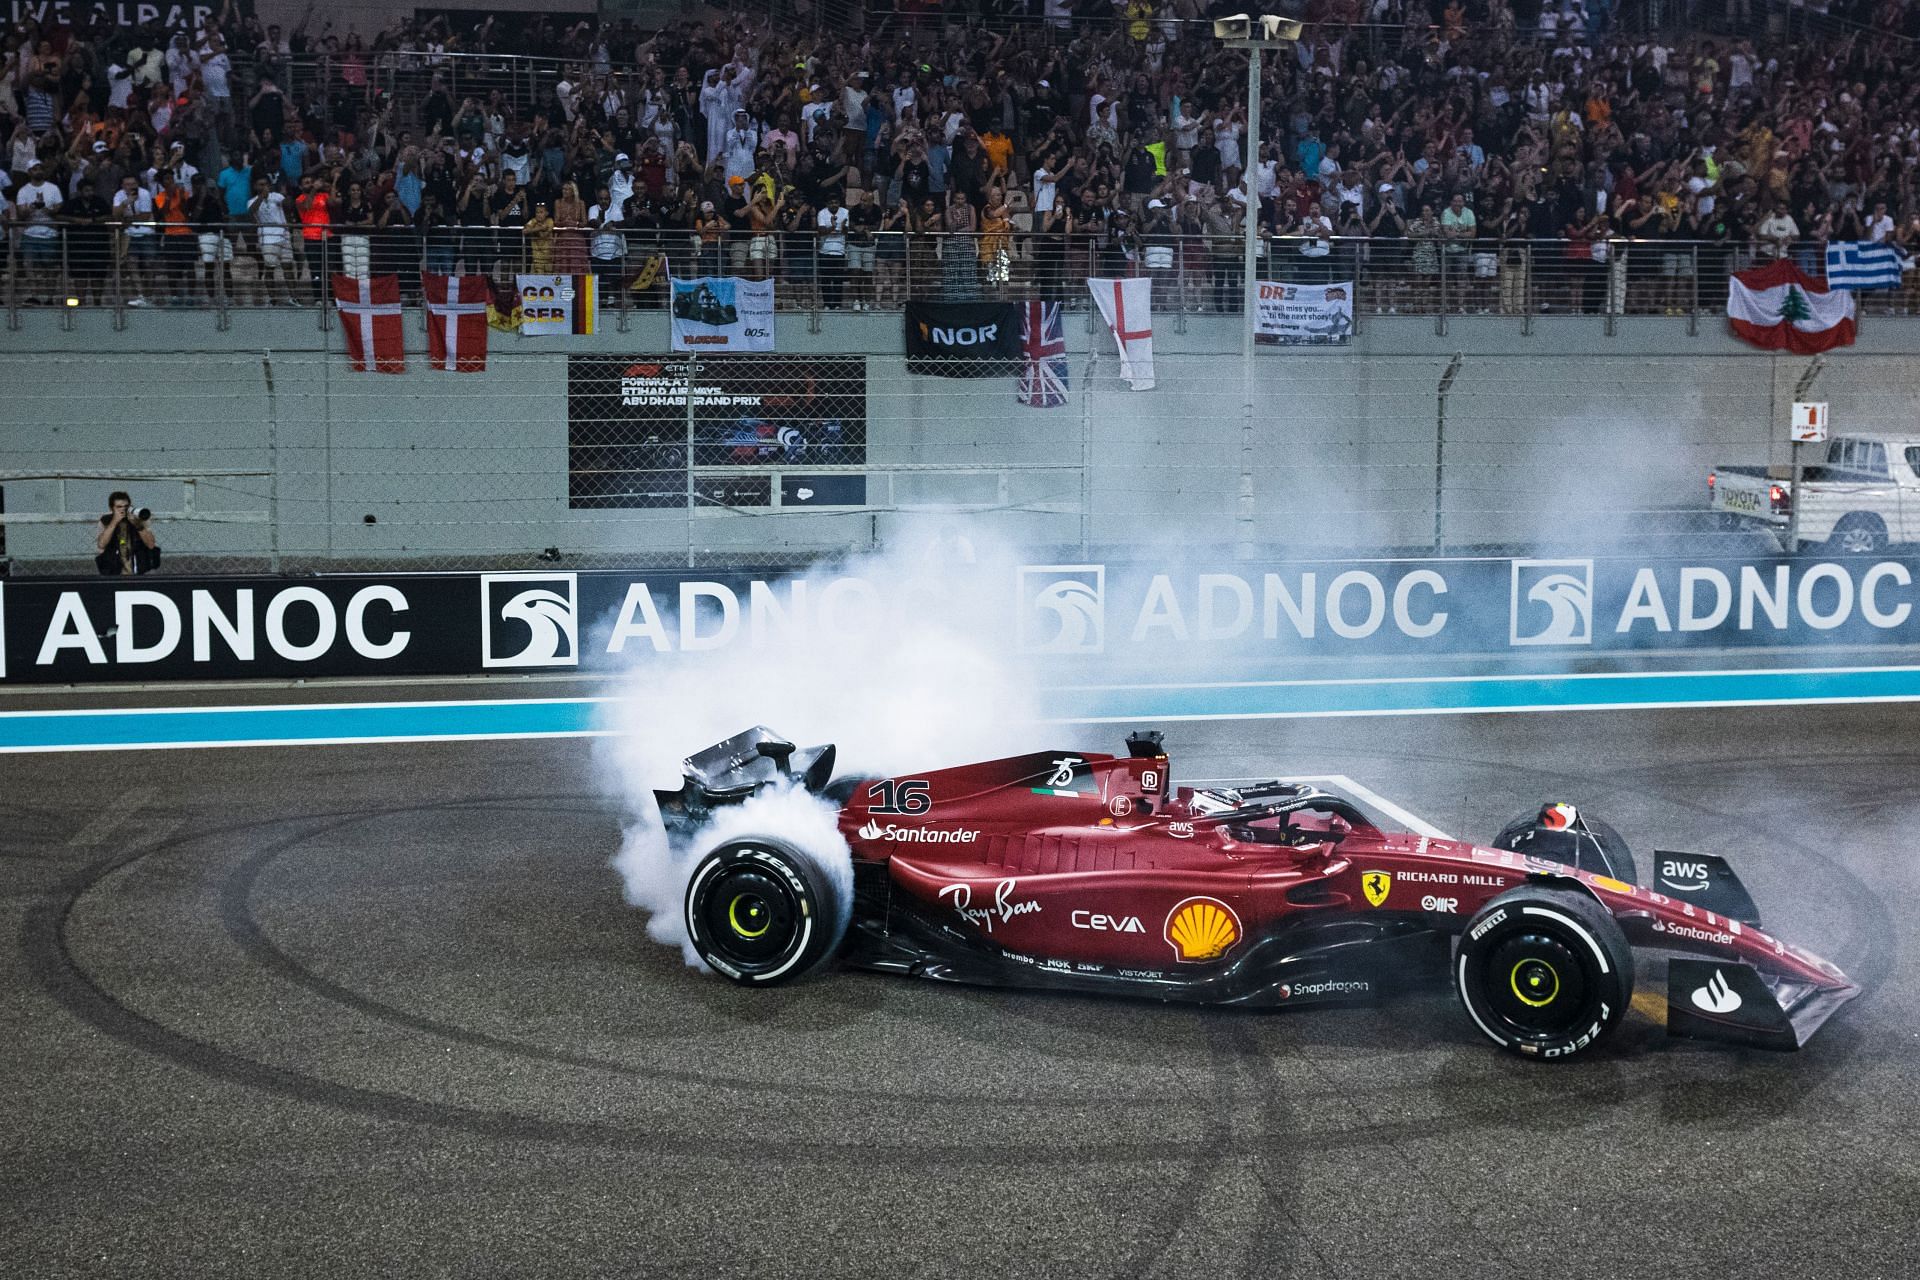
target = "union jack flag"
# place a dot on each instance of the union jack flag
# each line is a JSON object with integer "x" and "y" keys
{"x": 1043, "y": 378}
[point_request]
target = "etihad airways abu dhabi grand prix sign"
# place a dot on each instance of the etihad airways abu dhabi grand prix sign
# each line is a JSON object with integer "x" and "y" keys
{"x": 1243, "y": 619}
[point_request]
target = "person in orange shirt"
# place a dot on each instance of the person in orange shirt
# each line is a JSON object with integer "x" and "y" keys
{"x": 999, "y": 149}
{"x": 314, "y": 207}
{"x": 178, "y": 245}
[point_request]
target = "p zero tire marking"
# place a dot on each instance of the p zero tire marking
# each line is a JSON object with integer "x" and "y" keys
{"x": 1593, "y": 943}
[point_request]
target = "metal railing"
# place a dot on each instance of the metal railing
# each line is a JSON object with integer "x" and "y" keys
{"x": 243, "y": 265}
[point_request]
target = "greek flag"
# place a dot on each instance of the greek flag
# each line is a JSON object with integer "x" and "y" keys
{"x": 1857, "y": 264}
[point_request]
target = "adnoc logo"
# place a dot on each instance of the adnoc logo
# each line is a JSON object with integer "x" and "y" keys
{"x": 1552, "y": 602}
{"x": 536, "y": 625}
{"x": 1063, "y": 608}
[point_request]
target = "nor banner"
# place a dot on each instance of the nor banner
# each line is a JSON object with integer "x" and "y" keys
{"x": 631, "y": 433}
{"x": 1087, "y": 622}
{"x": 1304, "y": 315}
{"x": 558, "y": 304}
{"x": 722, "y": 313}
{"x": 963, "y": 339}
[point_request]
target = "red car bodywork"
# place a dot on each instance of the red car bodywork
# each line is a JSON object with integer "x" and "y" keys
{"x": 1092, "y": 871}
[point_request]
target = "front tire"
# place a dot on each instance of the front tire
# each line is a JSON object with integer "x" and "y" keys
{"x": 1545, "y": 972}
{"x": 759, "y": 912}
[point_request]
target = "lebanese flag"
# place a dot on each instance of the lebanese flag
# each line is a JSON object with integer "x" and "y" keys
{"x": 1782, "y": 308}
{"x": 1127, "y": 306}
{"x": 457, "y": 321}
{"x": 370, "y": 317}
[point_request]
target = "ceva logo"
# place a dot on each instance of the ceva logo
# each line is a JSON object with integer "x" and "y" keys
{"x": 1552, "y": 602}
{"x": 1062, "y": 608}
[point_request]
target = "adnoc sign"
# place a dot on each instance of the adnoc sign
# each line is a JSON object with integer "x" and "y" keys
{"x": 1135, "y": 618}
{"x": 1533, "y": 606}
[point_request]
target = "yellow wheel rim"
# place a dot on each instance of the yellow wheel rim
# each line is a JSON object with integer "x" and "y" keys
{"x": 1539, "y": 987}
{"x": 754, "y": 921}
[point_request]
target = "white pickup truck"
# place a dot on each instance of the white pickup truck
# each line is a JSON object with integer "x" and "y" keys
{"x": 1861, "y": 494}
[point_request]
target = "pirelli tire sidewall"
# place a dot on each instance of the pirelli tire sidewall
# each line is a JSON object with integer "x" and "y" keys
{"x": 1560, "y": 934}
{"x": 804, "y": 913}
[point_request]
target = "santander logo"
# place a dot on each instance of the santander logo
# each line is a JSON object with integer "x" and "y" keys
{"x": 872, "y": 830}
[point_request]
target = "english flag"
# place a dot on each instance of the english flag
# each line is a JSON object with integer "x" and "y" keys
{"x": 370, "y": 318}
{"x": 457, "y": 321}
{"x": 1781, "y": 308}
{"x": 1127, "y": 307}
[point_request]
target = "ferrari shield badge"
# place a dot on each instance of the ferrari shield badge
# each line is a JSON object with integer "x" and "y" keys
{"x": 1376, "y": 885}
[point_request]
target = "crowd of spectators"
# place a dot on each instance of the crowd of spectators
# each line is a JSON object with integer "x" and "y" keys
{"x": 1018, "y": 149}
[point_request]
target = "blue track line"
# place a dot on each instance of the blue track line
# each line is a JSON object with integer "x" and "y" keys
{"x": 317, "y": 723}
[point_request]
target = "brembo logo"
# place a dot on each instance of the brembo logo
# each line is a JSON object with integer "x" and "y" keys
{"x": 915, "y": 835}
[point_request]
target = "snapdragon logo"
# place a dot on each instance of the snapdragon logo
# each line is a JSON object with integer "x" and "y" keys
{"x": 915, "y": 835}
{"x": 1062, "y": 608}
{"x": 1552, "y": 602}
{"x": 535, "y": 624}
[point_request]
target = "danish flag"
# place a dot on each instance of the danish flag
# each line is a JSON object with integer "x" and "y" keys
{"x": 370, "y": 317}
{"x": 457, "y": 321}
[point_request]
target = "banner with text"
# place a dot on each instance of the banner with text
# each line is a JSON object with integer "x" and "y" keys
{"x": 722, "y": 313}
{"x": 631, "y": 437}
{"x": 1134, "y": 621}
{"x": 963, "y": 339}
{"x": 1304, "y": 315}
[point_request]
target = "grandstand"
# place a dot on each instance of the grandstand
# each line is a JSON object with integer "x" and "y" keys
{"x": 1476, "y": 157}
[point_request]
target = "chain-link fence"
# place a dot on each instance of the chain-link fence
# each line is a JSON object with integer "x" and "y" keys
{"x": 251, "y": 462}
{"x": 244, "y": 265}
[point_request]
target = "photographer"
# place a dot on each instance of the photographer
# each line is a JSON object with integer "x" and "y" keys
{"x": 126, "y": 543}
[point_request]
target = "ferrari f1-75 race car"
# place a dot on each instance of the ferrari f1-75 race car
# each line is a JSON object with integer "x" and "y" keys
{"x": 1093, "y": 873}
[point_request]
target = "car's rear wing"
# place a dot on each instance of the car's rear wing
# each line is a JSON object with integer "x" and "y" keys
{"x": 1735, "y": 1002}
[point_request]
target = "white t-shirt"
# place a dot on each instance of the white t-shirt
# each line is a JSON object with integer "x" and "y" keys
{"x": 1045, "y": 190}
{"x": 1695, "y": 186}
{"x": 119, "y": 86}
{"x": 215, "y": 70}
{"x": 904, "y": 96}
{"x": 38, "y": 200}
{"x": 140, "y": 204}
{"x": 607, "y": 245}
{"x": 834, "y": 223}
{"x": 1878, "y": 229}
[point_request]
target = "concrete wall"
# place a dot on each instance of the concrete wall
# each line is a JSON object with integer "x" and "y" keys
{"x": 1545, "y": 431}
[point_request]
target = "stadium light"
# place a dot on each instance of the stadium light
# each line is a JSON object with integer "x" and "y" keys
{"x": 1241, "y": 31}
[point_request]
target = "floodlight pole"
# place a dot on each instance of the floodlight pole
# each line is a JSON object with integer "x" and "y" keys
{"x": 1250, "y": 289}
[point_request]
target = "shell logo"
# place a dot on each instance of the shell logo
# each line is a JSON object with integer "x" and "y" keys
{"x": 1202, "y": 929}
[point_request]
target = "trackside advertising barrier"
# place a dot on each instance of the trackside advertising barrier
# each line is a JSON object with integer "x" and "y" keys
{"x": 1230, "y": 620}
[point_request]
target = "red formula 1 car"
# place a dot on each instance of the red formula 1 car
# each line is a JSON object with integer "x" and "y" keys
{"x": 1093, "y": 873}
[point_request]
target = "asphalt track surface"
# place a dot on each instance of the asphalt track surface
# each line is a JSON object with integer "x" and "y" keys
{"x": 380, "y": 1010}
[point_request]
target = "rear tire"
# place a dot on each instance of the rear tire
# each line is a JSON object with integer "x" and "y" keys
{"x": 1544, "y": 972}
{"x": 1859, "y": 535}
{"x": 759, "y": 912}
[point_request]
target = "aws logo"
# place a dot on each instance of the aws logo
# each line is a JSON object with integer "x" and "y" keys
{"x": 536, "y": 625}
{"x": 1201, "y": 929}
